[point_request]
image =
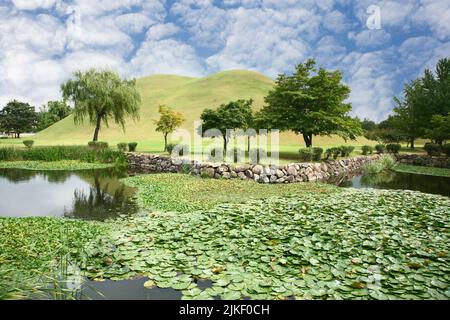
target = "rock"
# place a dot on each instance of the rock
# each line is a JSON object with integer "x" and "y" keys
{"x": 256, "y": 177}
{"x": 242, "y": 175}
{"x": 209, "y": 172}
{"x": 226, "y": 175}
{"x": 279, "y": 173}
{"x": 266, "y": 179}
{"x": 291, "y": 170}
{"x": 258, "y": 169}
{"x": 249, "y": 173}
{"x": 233, "y": 174}
{"x": 273, "y": 179}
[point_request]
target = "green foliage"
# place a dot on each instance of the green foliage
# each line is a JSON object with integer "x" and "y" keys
{"x": 170, "y": 147}
{"x": 182, "y": 148}
{"x": 122, "y": 146}
{"x": 367, "y": 150}
{"x": 393, "y": 148}
{"x": 53, "y": 165}
{"x": 168, "y": 122}
{"x": 432, "y": 149}
{"x": 298, "y": 246}
{"x": 233, "y": 115}
{"x": 446, "y": 149}
{"x": 132, "y": 146}
{"x": 311, "y": 102}
{"x": 257, "y": 155}
{"x": 31, "y": 250}
{"x": 305, "y": 154}
{"x": 346, "y": 150}
{"x": 17, "y": 117}
{"x": 429, "y": 171}
{"x": 440, "y": 129}
{"x": 380, "y": 148}
{"x": 59, "y": 153}
{"x": 100, "y": 96}
{"x": 98, "y": 145}
{"x": 52, "y": 113}
{"x": 335, "y": 151}
{"x": 386, "y": 162}
{"x": 28, "y": 143}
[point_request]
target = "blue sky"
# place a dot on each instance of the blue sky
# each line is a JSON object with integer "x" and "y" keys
{"x": 43, "y": 41}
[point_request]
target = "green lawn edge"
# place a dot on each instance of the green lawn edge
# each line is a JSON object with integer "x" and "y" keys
{"x": 422, "y": 170}
{"x": 53, "y": 165}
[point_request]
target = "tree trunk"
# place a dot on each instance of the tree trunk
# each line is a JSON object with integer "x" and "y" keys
{"x": 412, "y": 143}
{"x": 308, "y": 139}
{"x": 165, "y": 141}
{"x": 18, "y": 135}
{"x": 248, "y": 144}
{"x": 97, "y": 128}
{"x": 225, "y": 143}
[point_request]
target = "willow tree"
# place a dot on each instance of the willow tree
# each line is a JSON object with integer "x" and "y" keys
{"x": 311, "y": 102}
{"x": 101, "y": 96}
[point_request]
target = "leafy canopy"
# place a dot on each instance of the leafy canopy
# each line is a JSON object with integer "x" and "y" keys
{"x": 100, "y": 96}
{"x": 17, "y": 117}
{"x": 311, "y": 102}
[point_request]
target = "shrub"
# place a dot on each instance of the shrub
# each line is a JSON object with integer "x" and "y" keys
{"x": 393, "y": 148}
{"x": 432, "y": 149}
{"x": 132, "y": 146}
{"x": 386, "y": 162}
{"x": 317, "y": 153}
{"x": 98, "y": 145}
{"x": 367, "y": 150}
{"x": 215, "y": 153}
{"x": 346, "y": 150}
{"x": 335, "y": 152}
{"x": 28, "y": 143}
{"x": 446, "y": 149}
{"x": 122, "y": 146}
{"x": 305, "y": 154}
{"x": 170, "y": 147}
{"x": 380, "y": 148}
{"x": 328, "y": 153}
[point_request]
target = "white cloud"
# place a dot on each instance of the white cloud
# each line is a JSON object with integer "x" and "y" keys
{"x": 161, "y": 31}
{"x": 33, "y": 4}
{"x": 370, "y": 38}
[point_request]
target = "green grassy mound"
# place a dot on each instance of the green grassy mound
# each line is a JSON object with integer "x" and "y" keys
{"x": 429, "y": 171}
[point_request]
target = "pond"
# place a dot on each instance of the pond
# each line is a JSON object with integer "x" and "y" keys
{"x": 84, "y": 194}
{"x": 397, "y": 180}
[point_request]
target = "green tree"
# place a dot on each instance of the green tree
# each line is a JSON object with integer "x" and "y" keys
{"x": 440, "y": 131}
{"x": 101, "y": 96}
{"x": 51, "y": 113}
{"x": 168, "y": 122}
{"x": 17, "y": 117}
{"x": 408, "y": 116}
{"x": 233, "y": 115}
{"x": 311, "y": 102}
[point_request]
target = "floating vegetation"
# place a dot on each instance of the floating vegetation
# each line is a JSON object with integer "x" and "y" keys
{"x": 354, "y": 244}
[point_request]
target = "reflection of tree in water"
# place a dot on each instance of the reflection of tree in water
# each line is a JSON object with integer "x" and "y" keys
{"x": 98, "y": 204}
{"x": 378, "y": 179}
{"x": 20, "y": 175}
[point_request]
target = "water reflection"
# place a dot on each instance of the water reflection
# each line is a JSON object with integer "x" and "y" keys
{"x": 87, "y": 194}
{"x": 396, "y": 180}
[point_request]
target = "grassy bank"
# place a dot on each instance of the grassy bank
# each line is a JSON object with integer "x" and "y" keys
{"x": 33, "y": 249}
{"x": 429, "y": 171}
{"x": 54, "y": 165}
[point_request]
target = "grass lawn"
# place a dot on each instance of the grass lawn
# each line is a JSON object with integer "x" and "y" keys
{"x": 429, "y": 171}
{"x": 53, "y": 165}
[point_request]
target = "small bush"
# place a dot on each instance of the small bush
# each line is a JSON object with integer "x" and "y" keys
{"x": 132, "y": 146}
{"x": 122, "y": 146}
{"x": 335, "y": 152}
{"x": 28, "y": 143}
{"x": 386, "y": 162}
{"x": 380, "y": 148}
{"x": 446, "y": 149}
{"x": 170, "y": 147}
{"x": 98, "y": 145}
{"x": 367, "y": 150}
{"x": 317, "y": 153}
{"x": 305, "y": 154}
{"x": 393, "y": 148}
{"x": 328, "y": 153}
{"x": 346, "y": 150}
{"x": 432, "y": 149}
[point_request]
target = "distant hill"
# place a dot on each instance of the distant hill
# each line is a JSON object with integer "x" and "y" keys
{"x": 184, "y": 94}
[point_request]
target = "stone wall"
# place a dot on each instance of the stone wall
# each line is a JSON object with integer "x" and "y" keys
{"x": 424, "y": 160}
{"x": 295, "y": 172}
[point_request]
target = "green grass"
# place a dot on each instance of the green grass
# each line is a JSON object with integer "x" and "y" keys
{"x": 429, "y": 171}
{"x": 386, "y": 162}
{"x": 31, "y": 250}
{"x": 53, "y": 165}
{"x": 185, "y": 193}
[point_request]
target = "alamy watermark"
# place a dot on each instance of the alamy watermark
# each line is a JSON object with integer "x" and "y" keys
{"x": 373, "y": 21}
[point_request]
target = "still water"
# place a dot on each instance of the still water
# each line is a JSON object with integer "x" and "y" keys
{"x": 86, "y": 194}
{"x": 397, "y": 180}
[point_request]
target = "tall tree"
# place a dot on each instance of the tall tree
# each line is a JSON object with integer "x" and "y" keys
{"x": 168, "y": 122}
{"x": 101, "y": 96}
{"x": 408, "y": 116}
{"x": 440, "y": 131}
{"x": 311, "y": 102}
{"x": 51, "y": 113}
{"x": 233, "y": 115}
{"x": 17, "y": 117}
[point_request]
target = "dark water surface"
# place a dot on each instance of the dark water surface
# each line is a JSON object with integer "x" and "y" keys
{"x": 397, "y": 180}
{"x": 84, "y": 194}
